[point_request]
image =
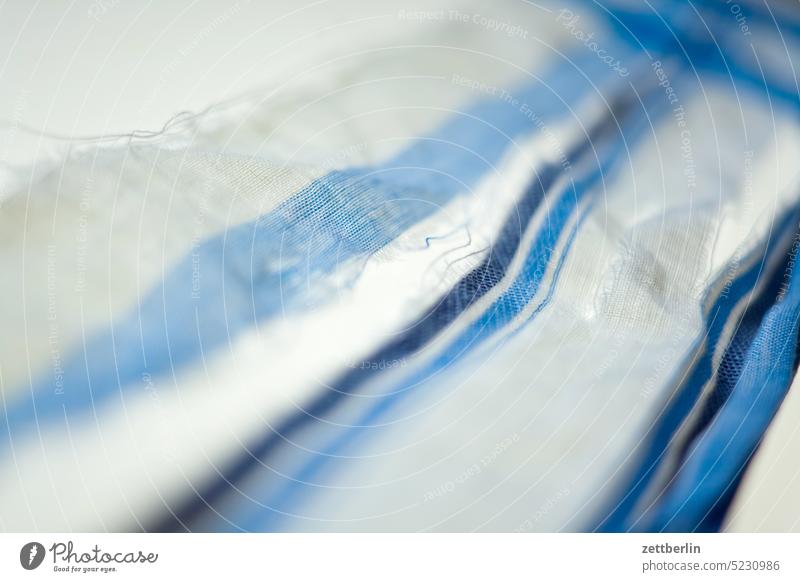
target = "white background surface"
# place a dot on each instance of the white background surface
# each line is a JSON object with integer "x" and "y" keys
{"x": 97, "y": 66}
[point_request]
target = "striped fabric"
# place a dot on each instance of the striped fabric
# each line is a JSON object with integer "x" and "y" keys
{"x": 508, "y": 266}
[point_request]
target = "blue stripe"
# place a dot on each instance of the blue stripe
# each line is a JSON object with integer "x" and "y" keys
{"x": 621, "y": 515}
{"x": 707, "y": 479}
{"x": 607, "y": 140}
{"x": 720, "y": 18}
{"x": 673, "y": 27}
{"x": 730, "y": 367}
{"x": 758, "y": 15}
{"x": 683, "y": 33}
{"x": 346, "y": 214}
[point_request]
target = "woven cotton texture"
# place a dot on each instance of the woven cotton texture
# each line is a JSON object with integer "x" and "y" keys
{"x": 508, "y": 267}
